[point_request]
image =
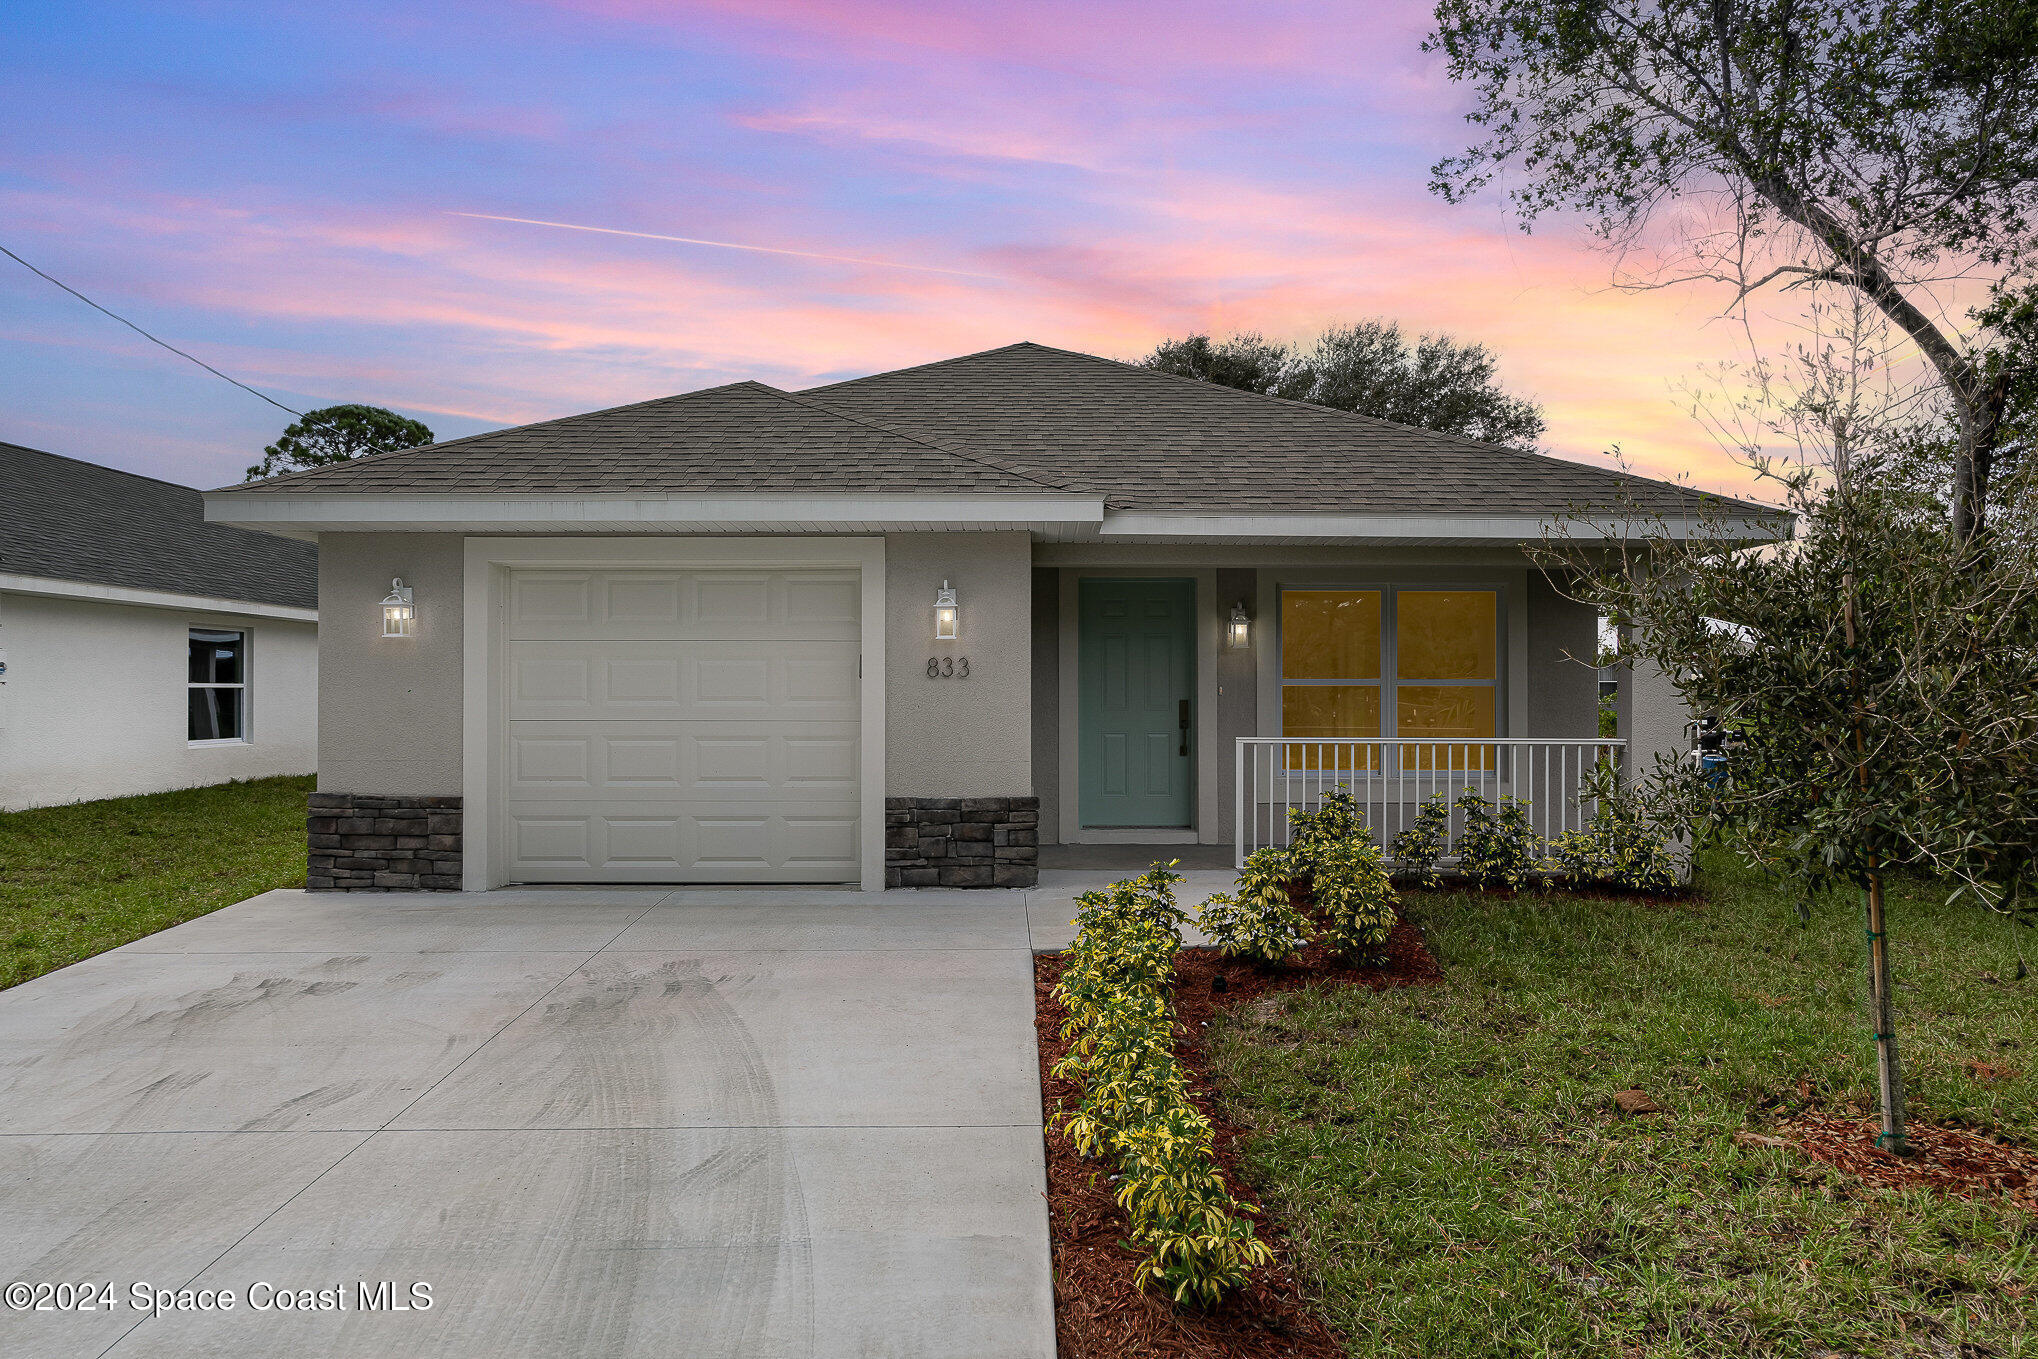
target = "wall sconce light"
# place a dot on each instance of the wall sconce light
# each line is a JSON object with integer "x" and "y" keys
{"x": 399, "y": 616}
{"x": 946, "y": 614}
{"x": 1238, "y": 634}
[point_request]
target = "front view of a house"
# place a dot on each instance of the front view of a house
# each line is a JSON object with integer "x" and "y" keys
{"x": 909, "y": 628}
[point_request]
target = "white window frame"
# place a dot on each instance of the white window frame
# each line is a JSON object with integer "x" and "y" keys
{"x": 1389, "y": 679}
{"x": 246, "y": 685}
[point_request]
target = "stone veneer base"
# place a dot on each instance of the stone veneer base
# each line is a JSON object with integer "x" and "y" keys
{"x": 366, "y": 843}
{"x": 962, "y": 841}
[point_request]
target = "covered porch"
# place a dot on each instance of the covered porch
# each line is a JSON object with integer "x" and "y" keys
{"x": 1191, "y": 696}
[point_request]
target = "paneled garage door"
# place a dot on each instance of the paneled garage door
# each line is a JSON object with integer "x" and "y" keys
{"x": 682, "y": 726}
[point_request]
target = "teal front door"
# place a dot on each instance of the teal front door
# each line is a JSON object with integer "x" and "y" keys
{"x": 1135, "y": 692}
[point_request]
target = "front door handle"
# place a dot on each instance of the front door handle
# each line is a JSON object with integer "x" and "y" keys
{"x": 1182, "y": 720}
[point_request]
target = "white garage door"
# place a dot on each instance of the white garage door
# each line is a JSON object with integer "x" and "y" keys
{"x": 682, "y": 726}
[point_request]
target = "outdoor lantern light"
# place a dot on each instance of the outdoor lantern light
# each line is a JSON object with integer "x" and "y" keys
{"x": 1238, "y": 635}
{"x": 945, "y": 614}
{"x": 399, "y": 618}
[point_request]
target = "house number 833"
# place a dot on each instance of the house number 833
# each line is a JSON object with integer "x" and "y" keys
{"x": 948, "y": 667}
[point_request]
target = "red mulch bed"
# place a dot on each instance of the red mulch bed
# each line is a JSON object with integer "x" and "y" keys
{"x": 1955, "y": 1161}
{"x": 1098, "y": 1312}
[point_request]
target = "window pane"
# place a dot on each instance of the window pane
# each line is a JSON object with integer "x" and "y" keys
{"x": 1446, "y": 634}
{"x": 1330, "y": 634}
{"x": 215, "y": 714}
{"x": 1326, "y": 712}
{"x": 1453, "y": 713}
{"x": 216, "y": 656}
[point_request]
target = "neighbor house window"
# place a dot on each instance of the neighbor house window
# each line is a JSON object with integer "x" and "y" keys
{"x": 218, "y": 685}
{"x": 1367, "y": 664}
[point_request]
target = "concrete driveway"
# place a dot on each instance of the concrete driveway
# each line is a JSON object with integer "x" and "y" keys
{"x": 600, "y": 1123}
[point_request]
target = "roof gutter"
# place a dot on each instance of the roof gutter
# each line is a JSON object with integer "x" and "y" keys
{"x": 305, "y": 514}
{"x": 150, "y": 599}
{"x": 1440, "y": 528}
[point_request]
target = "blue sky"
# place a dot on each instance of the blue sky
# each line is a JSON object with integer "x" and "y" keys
{"x": 277, "y": 190}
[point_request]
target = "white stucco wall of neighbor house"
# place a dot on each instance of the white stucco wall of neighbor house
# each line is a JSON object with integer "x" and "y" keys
{"x": 389, "y": 708}
{"x": 947, "y": 736}
{"x": 1652, "y": 715}
{"x": 94, "y": 701}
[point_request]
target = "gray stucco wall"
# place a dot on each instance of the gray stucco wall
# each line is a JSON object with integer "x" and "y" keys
{"x": 1047, "y": 700}
{"x": 1652, "y": 717}
{"x": 389, "y": 708}
{"x": 1238, "y": 694}
{"x": 954, "y": 737}
{"x": 1563, "y": 640}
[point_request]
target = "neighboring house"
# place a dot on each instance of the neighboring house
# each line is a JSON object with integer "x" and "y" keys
{"x": 706, "y": 639}
{"x": 144, "y": 648}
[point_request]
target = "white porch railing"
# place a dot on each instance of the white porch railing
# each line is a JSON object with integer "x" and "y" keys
{"x": 1392, "y": 778}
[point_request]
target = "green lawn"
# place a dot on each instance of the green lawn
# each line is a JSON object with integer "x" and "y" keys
{"x": 1458, "y": 1184}
{"x": 78, "y": 880}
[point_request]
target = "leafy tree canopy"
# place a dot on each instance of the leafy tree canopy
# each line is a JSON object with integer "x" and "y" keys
{"x": 1370, "y": 368}
{"x": 1880, "y": 146}
{"x": 338, "y": 434}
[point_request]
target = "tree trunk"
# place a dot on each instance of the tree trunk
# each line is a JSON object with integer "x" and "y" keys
{"x": 1882, "y": 1005}
{"x": 1857, "y": 266}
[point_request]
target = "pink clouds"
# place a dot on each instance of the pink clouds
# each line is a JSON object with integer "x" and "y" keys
{"x": 1098, "y": 40}
{"x": 1128, "y": 171}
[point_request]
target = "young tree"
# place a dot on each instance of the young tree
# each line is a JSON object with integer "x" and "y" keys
{"x": 338, "y": 434}
{"x": 1370, "y": 368}
{"x": 1876, "y": 145}
{"x": 1884, "y": 684}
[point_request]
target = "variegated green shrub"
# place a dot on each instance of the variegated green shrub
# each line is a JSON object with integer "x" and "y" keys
{"x": 1335, "y": 817}
{"x": 1117, "y": 985}
{"x": 1150, "y": 896}
{"x": 1198, "y": 1243}
{"x": 1352, "y": 892}
{"x": 1622, "y": 846}
{"x": 1420, "y": 847}
{"x": 1259, "y": 922}
{"x": 1497, "y": 847}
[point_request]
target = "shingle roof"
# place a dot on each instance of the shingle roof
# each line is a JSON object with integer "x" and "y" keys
{"x": 1016, "y": 420}
{"x": 741, "y": 437}
{"x": 63, "y": 519}
{"x": 1153, "y": 442}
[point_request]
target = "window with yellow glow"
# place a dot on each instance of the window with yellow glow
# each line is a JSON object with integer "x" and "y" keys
{"x": 1437, "y": 684}
{"x": 1330, "y": 672}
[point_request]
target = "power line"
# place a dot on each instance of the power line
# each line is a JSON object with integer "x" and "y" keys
{"x": 145, "y": 335}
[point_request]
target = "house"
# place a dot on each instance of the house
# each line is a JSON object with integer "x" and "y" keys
{"x": 909, "y": 628}
{"x": 144, "y": 648}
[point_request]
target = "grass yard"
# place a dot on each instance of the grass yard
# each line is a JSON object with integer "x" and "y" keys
{"x": 1458, "y": 1182}
{"x": 78, "y": 880}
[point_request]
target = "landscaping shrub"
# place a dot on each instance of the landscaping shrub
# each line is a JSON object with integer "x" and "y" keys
{"x": 1125, "y": 1060}
{"x": 1352, "y": 891}
{"x": 1199, "y": 1245}
{"x": 1117, "y": 985}
{"x": 1335, "y": 818}
{"x": 1419, "y": 849}
{"x": 1497, "y": 847}
{"x": 1621, "y": 846}
{"x": 1148, "y": 897}
{"x": 1260, "y": 931}
{"x": 1260, "y": 921}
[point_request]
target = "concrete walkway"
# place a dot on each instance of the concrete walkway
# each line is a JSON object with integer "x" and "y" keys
{"x": 601, "y": 1123}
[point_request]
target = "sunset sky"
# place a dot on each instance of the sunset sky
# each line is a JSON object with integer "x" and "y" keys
{"x": 307, "y": 197}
